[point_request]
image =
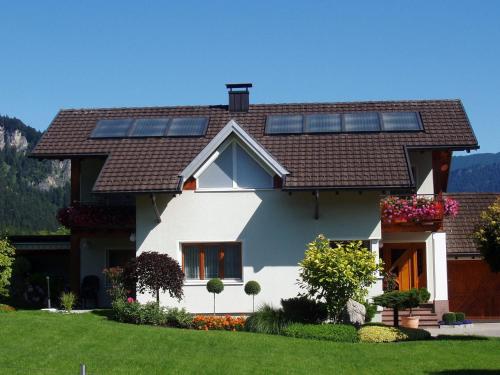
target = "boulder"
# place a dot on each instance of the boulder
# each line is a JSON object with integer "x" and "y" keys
{"x": 354, "y": 313}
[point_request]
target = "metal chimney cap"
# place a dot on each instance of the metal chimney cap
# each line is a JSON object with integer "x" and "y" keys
{"x": 231, "y": 86}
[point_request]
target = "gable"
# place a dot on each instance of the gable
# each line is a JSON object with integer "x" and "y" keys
{"x": 233, "y": 167}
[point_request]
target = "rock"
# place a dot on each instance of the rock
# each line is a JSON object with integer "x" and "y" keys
{"x": 354, "y": 313}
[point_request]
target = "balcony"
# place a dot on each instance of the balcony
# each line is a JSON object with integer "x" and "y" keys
{"x": 85, "y": 216}
{"x": 415, "y": 213}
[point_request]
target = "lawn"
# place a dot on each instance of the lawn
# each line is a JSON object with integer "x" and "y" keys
{"x": 43, "y": 343}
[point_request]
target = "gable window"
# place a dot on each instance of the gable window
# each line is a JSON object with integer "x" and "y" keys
{"x": 203, "y": 261}
{"x": 234, "y": 168}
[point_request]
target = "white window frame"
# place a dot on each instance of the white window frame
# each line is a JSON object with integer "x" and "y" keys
{"x": 232, "y": 143}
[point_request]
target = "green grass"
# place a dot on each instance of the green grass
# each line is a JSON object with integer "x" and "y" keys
{"x": 33, "y": 342}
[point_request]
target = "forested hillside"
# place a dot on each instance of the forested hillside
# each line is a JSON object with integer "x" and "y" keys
{"x": 31, "y": 191}
{"x": 475, "y": 173}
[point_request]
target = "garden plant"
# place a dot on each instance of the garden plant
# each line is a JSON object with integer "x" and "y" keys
{"x": 215, "y": 286}
{"x": 252, "y": 288}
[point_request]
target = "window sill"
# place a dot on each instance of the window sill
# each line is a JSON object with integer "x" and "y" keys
{"x": 204, "y": 282}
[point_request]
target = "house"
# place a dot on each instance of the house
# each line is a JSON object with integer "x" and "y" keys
{"x": 472, "y": 287}
{"x": 238, "y": 190}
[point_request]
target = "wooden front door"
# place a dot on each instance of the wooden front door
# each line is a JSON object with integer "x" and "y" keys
{"x": 406, "y": 261}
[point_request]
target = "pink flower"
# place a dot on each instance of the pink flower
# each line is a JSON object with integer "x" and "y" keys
{"x": 130, "y": 300}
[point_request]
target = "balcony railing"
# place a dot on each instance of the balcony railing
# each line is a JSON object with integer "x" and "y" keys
{"x": 90, "y": 216}
{"x": 416, "y": 210}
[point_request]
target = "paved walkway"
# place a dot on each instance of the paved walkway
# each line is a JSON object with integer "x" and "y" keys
{"x": 477, "y": 329}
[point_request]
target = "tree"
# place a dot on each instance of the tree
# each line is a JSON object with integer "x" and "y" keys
{"x": 337, "y": 274}
{"x": 154, "y": 272}
{"x": 215, "y": 286}
{"x": 7, "y": 252}
{"x": 397, "y": 300}
{"x": 487, "y": 236}
{"x": 252, "y": 288}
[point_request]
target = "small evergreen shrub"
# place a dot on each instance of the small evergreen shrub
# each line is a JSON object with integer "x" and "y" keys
{"x": 266, "y": 320}
{"x": 304, "y": 310}
{"x": 152, "y": 314}
{"x": 127, "y": 311}
{"x": 415, "y": 334}
{"x": 68, "y": 301}
{"x": 330, "y": 332}
{"x": 215, "y": 286}
{"x": 371, "y": 310}
{"x": 460, "y": 316}
{"x": 449, "y": 318}
{"x": 179, "y": 318}
{"x": 252, "y": 288}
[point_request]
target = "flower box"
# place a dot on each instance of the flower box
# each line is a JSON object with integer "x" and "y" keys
{"x": 92, "y": 217}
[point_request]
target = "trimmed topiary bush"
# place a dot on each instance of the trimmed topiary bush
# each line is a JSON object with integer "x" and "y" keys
{"x": 398, "y": 300}
{"x": 215, "y": 286}
{"x": 266, "y": 320}
{"x": 449, "y": 318}
{"x": 252, "y": 288}
{"x": 330, "y": 332}
{"x": 304, "y": 310}
{"x": 460, "y": 316}
{"x": 377, "y": 333}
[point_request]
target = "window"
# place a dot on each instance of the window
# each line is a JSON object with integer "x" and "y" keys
{"x": 234, "y": 168}
{"x": 203, "y": 261}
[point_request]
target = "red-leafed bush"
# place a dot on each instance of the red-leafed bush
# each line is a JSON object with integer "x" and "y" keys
{"x": 97, "y": 216}
{"x": 154, "y": 272}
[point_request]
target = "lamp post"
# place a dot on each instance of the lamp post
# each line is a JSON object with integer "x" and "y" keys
{"x": 48, "y": 291}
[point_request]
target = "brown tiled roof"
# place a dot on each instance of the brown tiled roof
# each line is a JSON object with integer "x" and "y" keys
{"x": 353, "y": 160}
{"x": 460, "y": 228}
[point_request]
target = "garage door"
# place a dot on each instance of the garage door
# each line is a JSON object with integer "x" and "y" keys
{"x": 473, "y": 289}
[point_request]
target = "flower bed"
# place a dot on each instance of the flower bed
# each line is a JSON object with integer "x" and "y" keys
{"x": 416, "y": 209}
{"x": 97, "y": 216}
{"x": 227, "y": 323}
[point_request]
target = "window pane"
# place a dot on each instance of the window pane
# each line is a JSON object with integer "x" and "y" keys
{"x": 111, "y": 128}
{"x": 232, "y": 262}
{"x": 219, "y": 174}
{"x": 322, "y": 123}
{"x": 192, "y": 262}
{"x": 394, "y": 121}
{"x": 211, "y": 262}
{"x": 188, "y": 127}
{"x": 361, "y": 122}
{"x": 149, "y": 127}
{"x": 284, "y": 124}
{"x": 249, "y": 173}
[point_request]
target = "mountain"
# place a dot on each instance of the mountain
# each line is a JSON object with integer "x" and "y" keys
{"x": 475, "y": 173}
{"x": 31, "y": 191}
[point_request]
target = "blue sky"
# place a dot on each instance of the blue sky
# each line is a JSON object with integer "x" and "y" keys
{"x": 113, "y": 54}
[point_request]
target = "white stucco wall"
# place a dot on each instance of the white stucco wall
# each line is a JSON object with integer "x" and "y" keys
{"x": 422, "y": 162}
{"x": 273, "y": 227}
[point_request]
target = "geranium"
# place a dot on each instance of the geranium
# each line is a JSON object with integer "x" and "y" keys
{"x": 416, "y": 208}
{"x": 130, "y": 300}
{"x": 97, "y": 216}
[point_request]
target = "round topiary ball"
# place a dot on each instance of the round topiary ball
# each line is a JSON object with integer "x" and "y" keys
{"x": 215, "y": 286}
{"x": 252, "y": 288}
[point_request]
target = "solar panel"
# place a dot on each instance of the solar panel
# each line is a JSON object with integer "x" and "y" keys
{"x": 322, "y": 123}
{"x": 111, "y": 128}
{"x": 187, "y": 127}
{"x": 400, "y": 121}
{"x": 149, "y": 127}
{"x": 361, "y": 122}
{"x": 284, "y": 124}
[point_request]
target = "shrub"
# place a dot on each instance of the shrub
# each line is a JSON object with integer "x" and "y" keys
{"x": 487, "y": 236}
{"x": 127, "y": 311}
{"x": 227, "y": 323}
{"x": 152, "y": 314}
{"x": 6, "y": 260}
{"x": 460, "y": 316}
{"x": 330, "y": 332}
{"x": 380, "y": 333}
{"x": 375, "y": 333}
{"x": 68, "y": 301}
{"x": 252, "y": 288}
{"x": 215, "y": 286}
{"x": 154, "y": 272}
{"x": 6, "y": 308}
{"x": 402, "y": 299}
{"x": 304, "y": 310}
{"x": 115, "y": 276}
{"x": 178, "y": 318}
{"x": 371, "y": 310}
{"x": 449, "y": 318}
{"x": 266, "y": 320}
{"x": 337, "y": 274}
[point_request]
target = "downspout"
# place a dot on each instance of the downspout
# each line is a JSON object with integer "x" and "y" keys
{"x": 316, "y": 205}
{"x": 155, "y": 207}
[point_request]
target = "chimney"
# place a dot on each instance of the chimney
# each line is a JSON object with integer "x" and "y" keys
{"x": 238, "y": 96}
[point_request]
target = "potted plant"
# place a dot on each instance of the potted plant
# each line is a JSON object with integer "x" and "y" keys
{"x": 413, "y": 298}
